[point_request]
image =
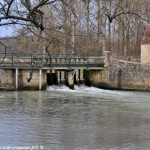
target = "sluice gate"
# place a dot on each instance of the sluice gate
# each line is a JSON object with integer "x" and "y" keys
{"x": 65, "y": 77}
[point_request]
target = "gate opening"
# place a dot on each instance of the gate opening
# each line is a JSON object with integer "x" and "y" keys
{"x": 51, "y": 79}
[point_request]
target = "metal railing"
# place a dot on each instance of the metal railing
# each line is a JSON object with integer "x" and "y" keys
{"x": 51, "y": 60}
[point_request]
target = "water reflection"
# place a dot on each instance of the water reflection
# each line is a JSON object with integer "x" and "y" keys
{"x": 75, "y": 120}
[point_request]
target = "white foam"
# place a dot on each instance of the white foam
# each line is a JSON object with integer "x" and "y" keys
{"x": 59, "y": 88}
{"x": 85, "y": 89}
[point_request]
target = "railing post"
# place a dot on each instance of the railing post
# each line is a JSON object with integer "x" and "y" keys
{"x": 50, "y": 61}
{"x": 87, "y": 63}
{"x": 69, "y": 61}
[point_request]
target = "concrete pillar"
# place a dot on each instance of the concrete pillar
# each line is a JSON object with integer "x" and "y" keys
{"x": 70, "y": 79}
{"x": 77, "y": 76}
{"x": 53, "y": 71}
{"x": 107, "y": 58}
{"x": 16, "y": 78}
{"x": 62, "y": 77}
{"x": 81, "y": 78}
{"x": 58, "y": 77}
{"x": 40, "y": 79}
{"x": 48, "y": 71}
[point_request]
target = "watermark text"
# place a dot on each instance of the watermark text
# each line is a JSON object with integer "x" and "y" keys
{"x": 36, "y": 147}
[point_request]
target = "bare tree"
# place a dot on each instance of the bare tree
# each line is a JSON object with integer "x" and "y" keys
{"x": 63, "y": 26}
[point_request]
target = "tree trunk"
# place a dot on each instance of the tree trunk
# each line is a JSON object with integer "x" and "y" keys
{"x": 73, "y": 28}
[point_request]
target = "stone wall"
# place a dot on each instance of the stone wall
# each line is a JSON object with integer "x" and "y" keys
{"x": 8, "y": 79}
{"x": 123, "y": 75}
{"x": 34, "y": 82}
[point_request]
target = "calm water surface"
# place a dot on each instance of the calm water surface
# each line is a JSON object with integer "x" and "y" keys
{"x": 83, "y": 119}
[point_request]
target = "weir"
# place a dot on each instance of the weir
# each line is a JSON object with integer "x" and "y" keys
{"x": 36, "y": 71}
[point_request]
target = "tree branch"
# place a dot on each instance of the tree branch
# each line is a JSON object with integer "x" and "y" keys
{"x": 111, "y": 18}
{"x": 9, "y": 6}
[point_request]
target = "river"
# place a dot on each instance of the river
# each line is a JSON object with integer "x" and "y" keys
{"x": 86, "y": 118}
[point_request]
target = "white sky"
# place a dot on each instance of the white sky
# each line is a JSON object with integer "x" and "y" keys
{"x": 6, "y": 31}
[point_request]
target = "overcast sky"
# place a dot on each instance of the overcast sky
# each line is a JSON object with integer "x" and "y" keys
{"x": 5, "y": 31}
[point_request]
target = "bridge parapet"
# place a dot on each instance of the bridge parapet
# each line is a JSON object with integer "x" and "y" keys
{"x": 68, "y": 61}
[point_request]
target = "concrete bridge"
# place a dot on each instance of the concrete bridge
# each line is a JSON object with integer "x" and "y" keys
{"x": 35, "y": 71}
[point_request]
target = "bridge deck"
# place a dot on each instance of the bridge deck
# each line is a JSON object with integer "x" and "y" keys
{"x": 52, "y": 61}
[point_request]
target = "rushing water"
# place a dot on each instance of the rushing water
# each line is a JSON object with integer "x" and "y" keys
{"x": 83, "y": 119}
